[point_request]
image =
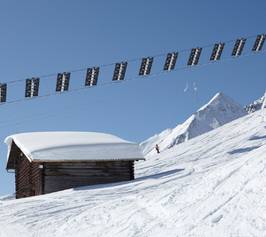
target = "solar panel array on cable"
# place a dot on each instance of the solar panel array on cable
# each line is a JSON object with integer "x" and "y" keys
{"x": 62, "y": 82}
{"x": 217, "y": 51}
{"x": 119, "y": 71}
{"x": 145, "y": 67}
{"x": 238, "y": 47}
{"x": 259, "y": 43}
{"x": 170, "y": 61}
{"x": 92, "y": 76}
{"x": 32, "y": 87}
{"x": 3, "y": 92}
{"x": 194, "y": 56}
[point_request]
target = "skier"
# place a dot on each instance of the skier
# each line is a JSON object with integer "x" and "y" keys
{"x": 157, "y": 149}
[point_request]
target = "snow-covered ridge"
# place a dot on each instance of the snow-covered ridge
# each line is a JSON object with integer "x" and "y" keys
{"x": 220, "y": 110}
{"x": 256, "y": 105}
{"x": 212, "y": 185}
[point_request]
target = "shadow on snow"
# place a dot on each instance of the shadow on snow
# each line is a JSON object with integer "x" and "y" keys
{"x": 257, "y": 138}
{"x": 109, "y": 185}
{"x": 243, "y": 150}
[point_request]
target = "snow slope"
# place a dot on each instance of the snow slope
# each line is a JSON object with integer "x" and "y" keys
{"x": 256, "y": 105}
{"x": 218, "y": 111}
{"x": 212, "y": 185}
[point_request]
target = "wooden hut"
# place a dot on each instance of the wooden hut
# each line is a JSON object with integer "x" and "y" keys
{"x": 46, "y": 162}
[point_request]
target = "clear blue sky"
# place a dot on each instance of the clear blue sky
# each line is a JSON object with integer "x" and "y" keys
{"x": 42, "y": 37}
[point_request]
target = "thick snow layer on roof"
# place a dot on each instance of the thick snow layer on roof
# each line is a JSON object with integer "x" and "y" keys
{"x": 59, "y": 146}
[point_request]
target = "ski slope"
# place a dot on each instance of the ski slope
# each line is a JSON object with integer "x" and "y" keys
{"x": 211, "y": 185}
{"x": 220, "y": 110}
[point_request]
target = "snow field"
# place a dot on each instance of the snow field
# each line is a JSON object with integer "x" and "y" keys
{"x": 211, "y": 185}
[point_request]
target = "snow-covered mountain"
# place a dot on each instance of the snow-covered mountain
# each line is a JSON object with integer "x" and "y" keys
{"x": 212, "y": 185}
{"x": 220, "y": 110}
{"x": 256, "y": 105}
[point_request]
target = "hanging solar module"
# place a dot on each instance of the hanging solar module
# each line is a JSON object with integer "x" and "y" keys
{"x": 217, "y": 51}
{"x": 194, "y": 56}
{"x": 3, "y": 89}
{"x": 62, "y": 82}
{"x": 170, "y": 61}
{"x": 259, "y": 43}
{"x": 238, "y": 47}
{"x": 32, "y": 87}
{"x": 145, "y": 67}
{"x": 92, "y": 76}
{"x": 120, "y": 71}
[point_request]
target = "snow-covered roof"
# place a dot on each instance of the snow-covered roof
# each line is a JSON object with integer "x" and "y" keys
{"x": 73, "y": 146}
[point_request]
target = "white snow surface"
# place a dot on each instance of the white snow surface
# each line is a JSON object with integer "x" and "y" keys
{"x": 220, "y": 110}
{"x": 256, "y": 105}
{"x": 212, "y": 185}
{"x": 51, "y": 146}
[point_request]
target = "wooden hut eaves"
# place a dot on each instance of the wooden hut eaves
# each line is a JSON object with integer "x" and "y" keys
{"x": 85, "y": 160}
{"x": 14, "y": 152}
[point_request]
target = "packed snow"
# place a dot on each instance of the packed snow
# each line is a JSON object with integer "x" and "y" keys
{"x": 220, "y": 110}
{"x": 211, "y": 185}
{"x": 57, "y": 146}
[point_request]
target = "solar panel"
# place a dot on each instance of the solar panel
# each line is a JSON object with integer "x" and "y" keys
{"x": 145, "y": 67}
{"x": 217, "y": 51}
{"x": 62, "y": 82}
{"x": 238, "y": 47}
{"x": 194, "y": 56}
{"x": 3, "y": 90}
{"x": 32, "y": 87}
{"x": 259, "y": 43}
{"x": 170, "y": 61}
{"x": 92, "y": 76}
{"x": 120, "y": 71}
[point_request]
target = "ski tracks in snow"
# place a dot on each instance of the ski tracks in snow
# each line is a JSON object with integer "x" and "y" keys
{"x": 217, "y": 194}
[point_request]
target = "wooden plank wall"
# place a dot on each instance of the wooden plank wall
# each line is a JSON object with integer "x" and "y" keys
{"x": 32, "y": 180}
{"x": 28, "y": 178}
{"x": 23, "y": 185}
{"x": 36, "y": 179}
{"x": 64, "y": 175}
